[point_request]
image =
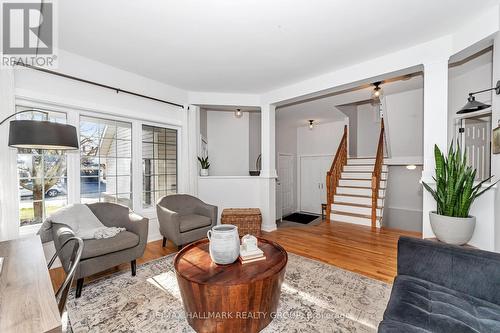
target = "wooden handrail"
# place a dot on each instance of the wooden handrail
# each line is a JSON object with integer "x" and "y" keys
{"x": 377, "y": 174}
{"x": 335, "y": 172}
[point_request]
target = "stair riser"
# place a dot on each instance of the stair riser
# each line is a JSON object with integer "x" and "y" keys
{"x": 351, "y": 219}
{"x": 360, "y": 175}
{"x": 356, "y": 200}
{"x": 357, "y": 191}
{"x": 355, "y": 209}
{"x": 367, "y": 168}
{"x": 359, "y": 183}
{"x": 355, "y": 161}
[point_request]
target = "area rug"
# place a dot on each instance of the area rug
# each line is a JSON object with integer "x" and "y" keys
{"x": 300, "y": 218}
{"x": 315, "y": 297}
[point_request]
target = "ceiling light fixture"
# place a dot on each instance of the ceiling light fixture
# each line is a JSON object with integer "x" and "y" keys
{"x": 311, "y": 124}
{"x": 378, "y": 92}
{"x": 411, "y": 167}
{"x": 238, "y": 113}
{"x": 472, "y": 105}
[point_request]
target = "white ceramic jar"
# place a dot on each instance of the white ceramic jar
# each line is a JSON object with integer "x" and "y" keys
{"x": 224, "y": 243}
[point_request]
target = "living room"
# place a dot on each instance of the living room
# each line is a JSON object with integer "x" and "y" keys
{"x": 150, "y": 163}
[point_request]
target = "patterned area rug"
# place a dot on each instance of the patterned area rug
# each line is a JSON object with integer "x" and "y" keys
{"x": 315, "y": 297}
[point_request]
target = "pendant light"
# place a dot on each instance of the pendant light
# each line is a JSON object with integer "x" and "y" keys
{"x": 238, "y": 113}
{"x": 378, "y": 92}
{"x": 311, "y": 124}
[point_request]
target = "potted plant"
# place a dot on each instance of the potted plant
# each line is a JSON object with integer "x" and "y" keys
{"x": 204, "y": 165}
{"x": 454, "y": 194}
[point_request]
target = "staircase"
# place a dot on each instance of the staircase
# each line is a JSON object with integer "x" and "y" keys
{"x": 356, "y": 186}
{"x": 352, "y": 201}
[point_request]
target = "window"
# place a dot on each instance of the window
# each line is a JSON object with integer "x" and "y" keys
{"x": 159, "y": 163}
{"x": 105, "y": 161}
{"x": 42, "y": 175}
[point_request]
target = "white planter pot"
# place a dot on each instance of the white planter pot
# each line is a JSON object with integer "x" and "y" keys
{"x": 224, "y": 243}
{"x": 204, "y": 172}
{"x": 452, "y": 230}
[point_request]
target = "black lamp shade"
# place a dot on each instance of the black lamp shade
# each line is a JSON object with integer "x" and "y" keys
{"x": 473, "y": 105}
{"x": 42, "y": 135}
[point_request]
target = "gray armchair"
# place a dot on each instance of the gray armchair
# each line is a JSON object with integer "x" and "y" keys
{"x": 101, "y": 254}
{"x": 184, "y": 219}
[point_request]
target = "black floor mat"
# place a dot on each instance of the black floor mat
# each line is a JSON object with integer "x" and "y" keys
{"x": 300, "y": 218}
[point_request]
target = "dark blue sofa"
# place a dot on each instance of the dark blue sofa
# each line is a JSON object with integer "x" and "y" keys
{"x": 443, "y": 288}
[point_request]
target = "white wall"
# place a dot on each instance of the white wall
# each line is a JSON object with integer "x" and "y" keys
{"x": 404, "y": 116}
{"x": 351, "y": 111}
{"x": 228, "y": 143}
{"x": 230, "y": 192}
{"x": 403, "y": 201}
{"x": 472, "y": 76}
{"x": 323, "y": 139}
{"x": 368, "y": 131}
{"x": 254, "y": 138}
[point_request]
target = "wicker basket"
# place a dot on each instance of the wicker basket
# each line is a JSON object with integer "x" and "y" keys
{"x": 248, "y": 220}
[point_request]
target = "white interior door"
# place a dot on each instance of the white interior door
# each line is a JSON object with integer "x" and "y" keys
{"x": 312, "y": 182}
{"x": 476, "y": 138}
{"x": 286, "y": 184}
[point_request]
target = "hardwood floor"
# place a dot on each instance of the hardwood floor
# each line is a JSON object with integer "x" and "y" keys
{"x": 348, "y": 246}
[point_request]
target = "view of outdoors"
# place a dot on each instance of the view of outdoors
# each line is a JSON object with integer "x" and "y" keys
{"x": 42, "y": 176}
{"x": 105, "y": 161}
{"x": 159, "y": 163}
{"x": 105, "y": 167}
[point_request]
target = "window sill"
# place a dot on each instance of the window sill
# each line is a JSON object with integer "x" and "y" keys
{"x": 29, "y": 230}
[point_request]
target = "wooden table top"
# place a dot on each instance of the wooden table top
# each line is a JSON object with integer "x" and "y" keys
{"x": 27, "y": 299}
{"x": 193, "y": 263}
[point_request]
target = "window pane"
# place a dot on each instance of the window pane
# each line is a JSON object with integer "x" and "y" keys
{"x": 124, "y": 199}
{"x": 159, "y": 163}
{"x": 147, "y": 150}
{"x": 109, "y": 173}
{"x": 42, "y": 175}
{"x": 123, "y": 184}
{"x": 147, "y": 133}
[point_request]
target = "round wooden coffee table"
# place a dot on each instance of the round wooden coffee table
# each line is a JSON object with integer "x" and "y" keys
{"x": 230, "y": 298}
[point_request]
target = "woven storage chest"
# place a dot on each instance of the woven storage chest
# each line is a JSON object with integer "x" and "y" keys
{"x": 248, "y": 220}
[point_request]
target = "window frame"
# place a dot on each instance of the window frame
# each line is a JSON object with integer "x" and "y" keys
{"x": 73, "y": 113}
{"x": 152, "y": 207}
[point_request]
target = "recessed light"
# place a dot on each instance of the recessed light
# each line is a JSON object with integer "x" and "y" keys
{"x": 411, "y": 167}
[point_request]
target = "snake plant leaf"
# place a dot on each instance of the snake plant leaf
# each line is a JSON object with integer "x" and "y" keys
{"x": 455, "y": 190}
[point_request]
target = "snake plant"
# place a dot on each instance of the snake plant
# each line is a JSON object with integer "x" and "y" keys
{"x": 455, "y": 189}
{"x": 204, "y": 162}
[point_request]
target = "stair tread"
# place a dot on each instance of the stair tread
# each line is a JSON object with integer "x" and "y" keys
{"x": 360, "y": 179}
{"x": 354, "y": 205}
{"x": 353, "y": 171}
{"x": 357, "y": 195}
{"x": 354, "y": 214}
{"x": 364, "y": 187}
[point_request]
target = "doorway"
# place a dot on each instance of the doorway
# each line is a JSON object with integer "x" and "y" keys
{"x": 286, "y": 184}
{"x": 474, "y": 134}
{"x": 313, "y": 171}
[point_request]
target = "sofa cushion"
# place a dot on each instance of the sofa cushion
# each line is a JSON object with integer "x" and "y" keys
{"x": 98, "y": 247}
{"x": 193, "y": 221}
{"x": 433, "y": 308}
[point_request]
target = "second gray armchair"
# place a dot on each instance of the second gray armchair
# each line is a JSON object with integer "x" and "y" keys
{"x": 184, "y": 219}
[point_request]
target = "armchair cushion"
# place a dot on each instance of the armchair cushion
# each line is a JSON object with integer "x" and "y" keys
{"x": 98, "y": 247}
{"x": 193, "y": 221}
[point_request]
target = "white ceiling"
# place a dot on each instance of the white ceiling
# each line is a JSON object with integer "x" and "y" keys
{"x": 323, "y": 110}
{"x": 250, "y": 46}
